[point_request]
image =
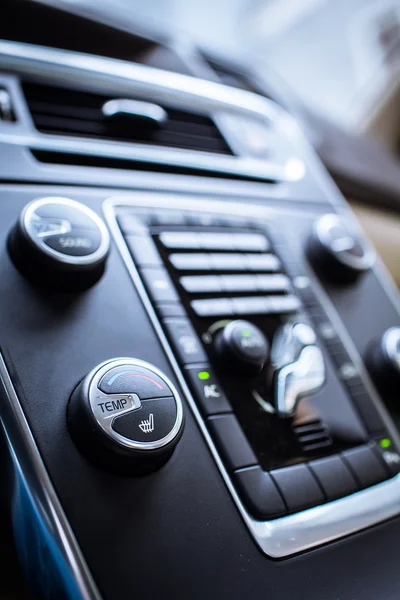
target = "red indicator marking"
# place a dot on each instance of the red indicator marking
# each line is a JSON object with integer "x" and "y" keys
{"x": 145, "y": 377}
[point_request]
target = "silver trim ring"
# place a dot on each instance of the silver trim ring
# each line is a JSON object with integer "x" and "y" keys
{"x": 322, "y": 228}
{"x": 96, "y": 376}
{"x": 94, "y": 257}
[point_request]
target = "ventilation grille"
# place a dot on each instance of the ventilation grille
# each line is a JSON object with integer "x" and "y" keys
{"x": 313, "y": 436}
{"x": 64, "y": 111}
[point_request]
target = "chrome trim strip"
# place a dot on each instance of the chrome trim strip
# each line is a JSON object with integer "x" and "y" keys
{"x": 293, "y": 534}
{"x": 182, "y": 91}
{"x": 52, "y": 519}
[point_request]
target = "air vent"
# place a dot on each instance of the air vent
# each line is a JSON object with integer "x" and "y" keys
{"x": 313, "y": 436}
{"x": 64, "y": 111}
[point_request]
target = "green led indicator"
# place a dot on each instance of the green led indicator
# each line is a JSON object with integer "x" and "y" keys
{"x": 246, "y": 332}
{"x": 385, "y": 443}
{"x": 203, "y": 375}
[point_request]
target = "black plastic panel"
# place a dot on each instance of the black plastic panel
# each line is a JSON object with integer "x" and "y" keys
{"x": 176, "y": 533}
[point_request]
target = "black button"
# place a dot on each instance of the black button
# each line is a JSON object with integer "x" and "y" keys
{"x": 250, "y": 242}
{"x": 171, "y": 310}
{"x": 282, "y": 304}
{"x": 272, "y": 283}
{"x": 184, "y": 341}
{"x": 366, "y": 466}
{"x": 368, "y": 412}
{"x": 127, "y": 379}
{"x": 238, "y": 283}
{"x": 213, "y": 307}
{"x": 389, "y": 455}
{"x": 207, "y": 391}
{"x": 227, "y": 262}
{"x": 259, "y": 493}
{"x": 198, "y": 261}
{"x": 298, "y": 487}
{"x": 262, "y": 262}
{"x": 231, "y": 442}
{"x": 252, "y": 305}
{"x": 180, "y": 240}
{"x": 153, "y": 421}
{"x": 77, "y": 242}
{"x": 201, "y": 283}
{"x": 143, "y": 250}
{"x": 62, "y": 212}
{"x": 334, "y": 476}
{"x": 159, "y": 285}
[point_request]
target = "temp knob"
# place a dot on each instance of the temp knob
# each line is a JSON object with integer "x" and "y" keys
{"x": 126, "y": 416}
{"x": 59, "y": 243}
{"x": 384, "y": 361}
{"x": 242, "y": 346}
{"x": 338, "y": 250}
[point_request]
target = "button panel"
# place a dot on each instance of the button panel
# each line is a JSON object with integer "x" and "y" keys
{"x": 200, "y": 277}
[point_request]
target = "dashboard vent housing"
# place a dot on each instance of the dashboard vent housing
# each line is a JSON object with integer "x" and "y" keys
{"x": 64, "y": 111}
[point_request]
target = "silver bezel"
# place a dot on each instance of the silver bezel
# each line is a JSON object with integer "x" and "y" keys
{"x": 93, "y": 258}
{"x": 286, "y": 536}
{"x": 96, "y": 376}
{"x": 322, "y": 227}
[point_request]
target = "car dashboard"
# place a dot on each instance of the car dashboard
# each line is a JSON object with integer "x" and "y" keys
{"x": 200, "y": 347}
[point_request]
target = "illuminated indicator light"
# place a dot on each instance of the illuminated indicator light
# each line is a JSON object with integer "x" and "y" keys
{"x": 203, "y": 375}
{"x": 385, "y": 443}
{"x": 246, "y": 332}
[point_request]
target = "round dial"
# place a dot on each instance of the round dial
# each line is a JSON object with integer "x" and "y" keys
{"x": 338, "y": 249}
{"x": 384, "y": 360}
{"x": 242, "y": 345}
{"x": 126, "y": 415}
{"x": 60, "y": 243}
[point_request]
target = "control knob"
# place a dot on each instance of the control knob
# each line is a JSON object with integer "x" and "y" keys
{"x": 59, "y": 243}
{"x": 384, "y": 361}
{"x": 126, "y": 416}
{"x": 338, "y": 250}
{"x": 242, "y": 346}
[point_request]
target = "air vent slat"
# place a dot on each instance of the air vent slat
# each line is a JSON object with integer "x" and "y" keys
{"x": 70, "y": 112}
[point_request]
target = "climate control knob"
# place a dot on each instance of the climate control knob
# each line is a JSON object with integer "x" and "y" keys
{"x": 384, "y": 361}
{"x": 59, "y": 243}
{"x": 338, "y": 250}
{"x": 242, "y": 346}
{"x": 126, "y": 416}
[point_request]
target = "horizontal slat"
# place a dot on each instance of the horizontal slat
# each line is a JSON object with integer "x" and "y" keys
{"x": 71, "y": 112}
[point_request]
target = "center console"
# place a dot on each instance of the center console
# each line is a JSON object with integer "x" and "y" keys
{"x": 200, "y": 349}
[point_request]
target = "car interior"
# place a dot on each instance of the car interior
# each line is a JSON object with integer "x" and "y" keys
{"x": 200, "y": 309}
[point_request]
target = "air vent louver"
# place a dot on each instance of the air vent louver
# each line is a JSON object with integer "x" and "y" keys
{"x": 313, "y": 436}
{"x": 64, "y": 111}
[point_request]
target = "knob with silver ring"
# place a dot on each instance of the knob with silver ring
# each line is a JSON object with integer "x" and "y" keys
{"x": 126, "y": 416}
{"x": 59, "y": 243}
{"x": 383, "y": 361}
{"x": 338, "y": 249}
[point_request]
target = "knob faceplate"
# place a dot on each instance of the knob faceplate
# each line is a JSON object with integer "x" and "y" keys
{"x": 59, "y": 243}
{"x": 243, "y": 346}
{"x": 126, "y": 416}
{"x": 338, "y": 250}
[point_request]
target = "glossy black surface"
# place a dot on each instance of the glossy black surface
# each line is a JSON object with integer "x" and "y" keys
{"x": 185, "y": 505}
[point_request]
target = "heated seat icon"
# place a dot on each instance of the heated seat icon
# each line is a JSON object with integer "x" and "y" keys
{"x": 147, "y": 426}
